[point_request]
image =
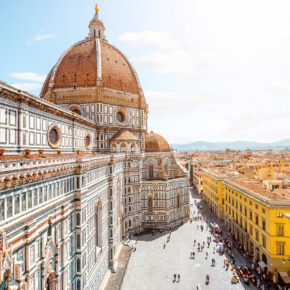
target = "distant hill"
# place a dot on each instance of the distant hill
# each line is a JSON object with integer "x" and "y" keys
{"x": 237, "y": 145}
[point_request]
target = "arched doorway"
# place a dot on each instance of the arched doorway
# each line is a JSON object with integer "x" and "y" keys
{"x": 257, "y": 255}
{"x": 51, "y": 283}
{"x": 264, "y": 259}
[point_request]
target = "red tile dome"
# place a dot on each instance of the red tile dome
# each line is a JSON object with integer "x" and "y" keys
{"x": 91, "y": 60}
{"x": 156, "y": 143}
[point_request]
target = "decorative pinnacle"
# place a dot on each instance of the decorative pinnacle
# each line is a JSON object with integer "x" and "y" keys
{"x": 97, "y": 8}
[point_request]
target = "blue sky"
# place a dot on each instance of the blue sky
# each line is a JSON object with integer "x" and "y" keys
{"x": 211, "y": 70}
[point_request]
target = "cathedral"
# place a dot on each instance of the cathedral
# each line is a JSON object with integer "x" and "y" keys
{"x": 80, "y": 172}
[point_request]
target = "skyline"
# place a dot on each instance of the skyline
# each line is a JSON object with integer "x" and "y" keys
{"x": 214, "y": 72}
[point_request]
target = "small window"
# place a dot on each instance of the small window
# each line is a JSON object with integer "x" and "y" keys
{"x": 280, "y": 230}
{"x": 257, "y": 220}
{"x": 264, "y": 225}
{"x": 280, "y": 248}
{"x": 88, "y": 141}
{"x": 120, "y": 117}
{"x": 54, "y": 136}
{"x": 264, "y": 241}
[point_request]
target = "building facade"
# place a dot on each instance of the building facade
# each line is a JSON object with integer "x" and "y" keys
{"x": 259, "y": 223}
{"x": 79, "y": 171}
{"x": 197, "y": 181}
{"x": 213, "y": 191}
{"x": 256, "y": 215}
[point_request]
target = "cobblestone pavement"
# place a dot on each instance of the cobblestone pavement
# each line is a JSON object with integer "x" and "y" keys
{"x": 152, "y": 267}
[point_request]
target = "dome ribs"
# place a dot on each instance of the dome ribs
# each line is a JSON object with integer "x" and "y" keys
{"x": 79, "y": 66}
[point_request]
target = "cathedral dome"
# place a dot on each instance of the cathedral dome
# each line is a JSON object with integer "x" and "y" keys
{"x": 93, "y": 70}
{"x": 156, "y": 143}
{"x": 88, "y": 61}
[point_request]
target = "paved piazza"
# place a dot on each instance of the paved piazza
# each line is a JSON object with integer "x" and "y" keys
{"x": 152, "y": 267}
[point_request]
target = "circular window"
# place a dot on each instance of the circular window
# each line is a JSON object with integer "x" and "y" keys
{"x": 120, "y": 117}
{"x": 88, "y": 141}
{"x": 77, "y": 111}
{"x": 54, "y": 136}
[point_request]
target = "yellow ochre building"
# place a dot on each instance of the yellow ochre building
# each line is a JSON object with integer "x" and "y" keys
{"x": 259, "y": 218}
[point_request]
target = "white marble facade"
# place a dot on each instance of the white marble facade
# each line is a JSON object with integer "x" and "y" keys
{"x": 64, "y": 211}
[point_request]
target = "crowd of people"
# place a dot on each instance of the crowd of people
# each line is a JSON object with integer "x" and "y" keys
{"x": 217, "y": 243}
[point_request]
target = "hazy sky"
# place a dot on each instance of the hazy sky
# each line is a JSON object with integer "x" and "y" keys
{"x": 210, "y": 70}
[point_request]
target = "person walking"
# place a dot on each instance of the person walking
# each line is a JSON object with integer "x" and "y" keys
{"x": 178, "y": 277}
{"x": 207, "y": 279}
{"x": 174, "y": 277}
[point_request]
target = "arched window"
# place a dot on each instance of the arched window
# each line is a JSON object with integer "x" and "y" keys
{"x": 150, "y": 204}
{"x": 166, "y": 168}
{"x": 78, "y": 241}
{"x": 133, "y": 148}
{"x": 123, "y": 147}
{"x": 151, "y": 171}
{"x": 78, "y": 219}
{"x": 78, "y": 265}
{"x": 95, "y": 33}
{"x": 77, "y": 111}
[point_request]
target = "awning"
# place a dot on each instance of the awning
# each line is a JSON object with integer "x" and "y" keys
{"x": 284, "y": 276}
{"x": 262, "y": 264}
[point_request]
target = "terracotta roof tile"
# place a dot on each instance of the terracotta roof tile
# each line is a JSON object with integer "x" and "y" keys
{"x": 124, "y": 135}
{"x": 79, "y": 66}
{"x": 259, "y": 189}
{"x": 156, "y": 143}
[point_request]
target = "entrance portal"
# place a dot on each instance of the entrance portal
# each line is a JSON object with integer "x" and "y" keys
{"x": 50, "y": 283}
{"x": 264, "y": 259}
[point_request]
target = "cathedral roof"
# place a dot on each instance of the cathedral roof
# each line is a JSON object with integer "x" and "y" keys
{"x": 124, "y": 135}
{"x": 93, "y": 62}
{"x": 83, "y": 63}
{"x": 156, "y": 143}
